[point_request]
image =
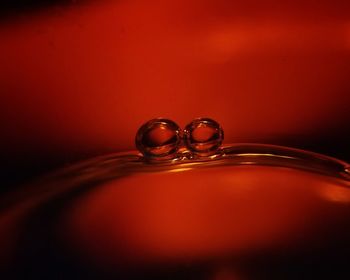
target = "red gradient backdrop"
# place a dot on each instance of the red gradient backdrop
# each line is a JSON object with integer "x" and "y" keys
{"x": 78, "y": 80}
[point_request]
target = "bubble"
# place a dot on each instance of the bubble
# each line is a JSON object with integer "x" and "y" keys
{"x": 158, "y": 138}
{"x": 203, "y": 136}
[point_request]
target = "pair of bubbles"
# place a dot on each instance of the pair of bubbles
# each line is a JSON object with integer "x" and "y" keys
{"x": 163, "y": 139}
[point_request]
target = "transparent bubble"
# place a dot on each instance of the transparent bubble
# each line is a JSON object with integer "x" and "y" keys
{"x": 158, "y": 138}
{"x": 203, "y": 136}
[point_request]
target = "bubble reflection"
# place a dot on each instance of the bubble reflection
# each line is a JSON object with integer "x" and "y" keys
{"x": 158, "y": 138}
{"x": 203, "y": 136}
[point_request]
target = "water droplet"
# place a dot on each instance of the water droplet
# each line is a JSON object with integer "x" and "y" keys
{"x": 158, "y": 138}
{"x": 203, "y": 136}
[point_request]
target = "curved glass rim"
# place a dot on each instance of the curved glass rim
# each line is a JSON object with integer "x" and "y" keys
{"x": 113, "y": 166}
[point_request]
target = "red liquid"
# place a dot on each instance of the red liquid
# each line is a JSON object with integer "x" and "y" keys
{"x": 238, "y": 222}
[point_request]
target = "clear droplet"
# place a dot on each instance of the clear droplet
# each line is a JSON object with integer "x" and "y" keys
{"x": 203, "y": 136}
{"x": 158, "y": 138}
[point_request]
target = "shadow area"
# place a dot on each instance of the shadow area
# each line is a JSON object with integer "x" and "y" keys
{"x": 11, "y": 9}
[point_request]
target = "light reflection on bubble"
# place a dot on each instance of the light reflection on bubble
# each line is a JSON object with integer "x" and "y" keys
{"x": 203, "y": 136}
{"x": 158, "y": 138}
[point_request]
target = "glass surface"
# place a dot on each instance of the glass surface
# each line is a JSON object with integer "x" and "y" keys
{"x": 248, "y": 212}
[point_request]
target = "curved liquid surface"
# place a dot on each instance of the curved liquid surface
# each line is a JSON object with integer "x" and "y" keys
{"x": 119, "y": 217}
